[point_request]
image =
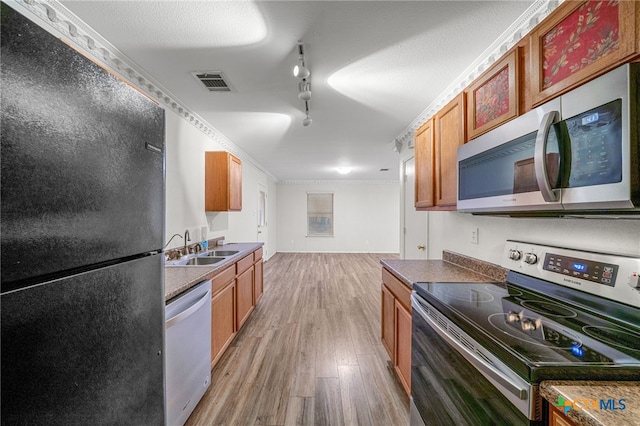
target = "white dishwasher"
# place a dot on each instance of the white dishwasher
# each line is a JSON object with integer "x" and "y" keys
{"x": 187, "y": 351}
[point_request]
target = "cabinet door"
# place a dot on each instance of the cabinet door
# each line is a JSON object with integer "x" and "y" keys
{"x": 580, "y": 40}
{"x": 235, "y": 183}
{"x": 388, "y": 321}
{"x": 244, "y": 296}
{"x": 423, "y": 146}
{"x": 557, "y": 418}
{"x": 403, "y": 346}
{"x": 258, "y": 280}
{"x": 450, "y": 134}
{"x": 223, "y": 321}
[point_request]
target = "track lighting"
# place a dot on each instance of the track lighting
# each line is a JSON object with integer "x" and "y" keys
{"x": 304, "y": 86}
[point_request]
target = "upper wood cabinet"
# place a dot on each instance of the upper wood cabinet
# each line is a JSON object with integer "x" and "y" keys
{"x": 424, "y": 165}
{"x": 222, "y": 182}
{"x": 436, "y": 151}
{"x": 580, "y": 40}
{"x": 449, "y": 135}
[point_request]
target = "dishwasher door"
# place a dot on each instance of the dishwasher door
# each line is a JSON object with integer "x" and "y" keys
{"x": 187, "y": 351}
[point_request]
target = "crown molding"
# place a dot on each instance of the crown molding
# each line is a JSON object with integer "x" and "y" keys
{"x": 509, "y": 38}
{"x": 61, "y": 22}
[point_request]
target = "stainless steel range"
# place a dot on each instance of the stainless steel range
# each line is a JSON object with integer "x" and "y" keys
{"x": 479, "y": 351}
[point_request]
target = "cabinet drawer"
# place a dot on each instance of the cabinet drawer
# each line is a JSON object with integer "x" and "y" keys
{"x": 244, "y": 264}
{"x": 397, "y": 288}
{"x": 257, "y": 254}
{"x": 223, "y": 279}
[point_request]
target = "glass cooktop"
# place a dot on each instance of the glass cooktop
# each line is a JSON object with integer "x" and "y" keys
{"x": 536, "y": 329}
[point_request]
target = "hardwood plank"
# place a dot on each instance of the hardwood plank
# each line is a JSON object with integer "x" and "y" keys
{"x": 328, "y": 402}
{"x": 311, "y": 351}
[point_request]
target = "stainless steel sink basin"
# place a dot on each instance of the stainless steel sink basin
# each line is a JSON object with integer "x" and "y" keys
{"x": 205, "y": 260}
{"x": 220, "y": 253}
{"x": 196, "y": 261}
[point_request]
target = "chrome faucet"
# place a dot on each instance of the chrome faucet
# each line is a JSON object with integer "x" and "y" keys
{"x": 187, "y": 238}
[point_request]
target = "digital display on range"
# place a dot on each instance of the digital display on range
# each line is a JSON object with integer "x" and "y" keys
{"x": 579, "y": 267}
{"x": 597, "y": 272}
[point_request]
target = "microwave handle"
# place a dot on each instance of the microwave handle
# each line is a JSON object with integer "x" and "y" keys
{"x": 540, "y": 156}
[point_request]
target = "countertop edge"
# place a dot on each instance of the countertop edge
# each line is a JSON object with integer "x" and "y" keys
{"x": 178, "y": 279}
{"x": 452, "y": 268}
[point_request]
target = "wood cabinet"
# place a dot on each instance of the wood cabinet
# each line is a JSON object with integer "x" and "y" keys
{"x": 436, "y": 152}
{"x": 222, "y": 182}
{"x": 424, "y": 166}
{"x": 223, "y": 321}
{"x": 449, "y": 135}
{"x": 396, "y": 325}
{"x": 223, "y": 308}
{"x": 258, "y": 269}
{"x": 580, "y": 40}
{"x": 234, "y": 293}
{"x": 388, "y": 320}
{"x": 244, "y": 292}
{"x": 558, "y": 418}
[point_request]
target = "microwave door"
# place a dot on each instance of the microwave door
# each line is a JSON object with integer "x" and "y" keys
{"x": 497, "y": 171}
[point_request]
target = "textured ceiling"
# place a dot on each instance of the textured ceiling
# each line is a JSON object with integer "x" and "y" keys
{"x": 376, "y": 65}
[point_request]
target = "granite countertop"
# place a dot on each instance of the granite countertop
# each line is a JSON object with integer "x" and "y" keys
{"x": 453, "y": 267}
{"x": 623, "y": 399}
{"x": 178, "y": 279}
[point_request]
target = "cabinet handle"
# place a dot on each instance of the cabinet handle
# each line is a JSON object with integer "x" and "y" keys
{"x": 420, "y": 246}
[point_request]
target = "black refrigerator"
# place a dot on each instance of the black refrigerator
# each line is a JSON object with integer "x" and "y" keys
{"x": 82, "y": 229}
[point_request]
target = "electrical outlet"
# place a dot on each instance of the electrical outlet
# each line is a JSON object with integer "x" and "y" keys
{"x": 474, "y": 236}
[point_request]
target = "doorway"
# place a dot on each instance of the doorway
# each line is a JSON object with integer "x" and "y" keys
{"x": 262, "y": 234}
{"x": 415, "y": 222}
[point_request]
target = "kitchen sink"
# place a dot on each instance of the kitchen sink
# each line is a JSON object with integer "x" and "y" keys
{"x": 220, "y": 253}
{"x": 196, "y": 261}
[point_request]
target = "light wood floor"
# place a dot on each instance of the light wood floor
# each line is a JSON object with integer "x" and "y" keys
{"x": 310, "y": 354}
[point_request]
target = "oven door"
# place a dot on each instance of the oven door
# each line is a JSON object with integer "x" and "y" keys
{"x": 454, "y": 381}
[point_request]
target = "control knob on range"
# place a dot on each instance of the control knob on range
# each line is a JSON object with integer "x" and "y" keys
{"x": 515, "y": 254}
{"x": 530, "y": 258}
{"x": 529, "y": 325}
{"x": 513, "y": 316}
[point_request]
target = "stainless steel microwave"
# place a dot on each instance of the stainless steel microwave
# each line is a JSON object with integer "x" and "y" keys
{"x": 578, "y": 153}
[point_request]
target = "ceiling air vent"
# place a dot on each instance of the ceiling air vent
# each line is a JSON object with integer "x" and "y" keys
{"x": 213, "y": 81}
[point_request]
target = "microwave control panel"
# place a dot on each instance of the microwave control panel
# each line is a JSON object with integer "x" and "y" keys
{"x": 597, "y": 272}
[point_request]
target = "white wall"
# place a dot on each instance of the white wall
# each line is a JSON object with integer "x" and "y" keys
{"x": 185, "y": 147}
{"x": 366, "y": 218}
{"x": 452, "y": 231}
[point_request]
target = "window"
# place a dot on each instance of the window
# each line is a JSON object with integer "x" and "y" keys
{"x": 320, "y": 214}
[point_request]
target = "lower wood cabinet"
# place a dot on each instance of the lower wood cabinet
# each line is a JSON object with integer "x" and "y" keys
{"x": 244, "y": 292}
{"x": 557, "y": 417}
{"x": 258, "y": 269}
{"x": 396, "y": 326}
{"x": 223, "y": 321}
{"x": 235, "y": 292}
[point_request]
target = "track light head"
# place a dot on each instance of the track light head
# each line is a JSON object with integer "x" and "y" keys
{"x": 301, "y": 71}
{"x": 305, "y": 95}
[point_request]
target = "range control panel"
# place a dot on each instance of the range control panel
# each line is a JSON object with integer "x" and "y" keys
{"x": 597, "y": 272}
{"x": 612, "y": 276}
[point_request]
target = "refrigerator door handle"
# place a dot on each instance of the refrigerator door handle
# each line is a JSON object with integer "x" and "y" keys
{"x": 187, "y": 312}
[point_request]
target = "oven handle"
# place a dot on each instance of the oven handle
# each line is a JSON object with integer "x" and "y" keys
{"x": 476, "y": 361}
